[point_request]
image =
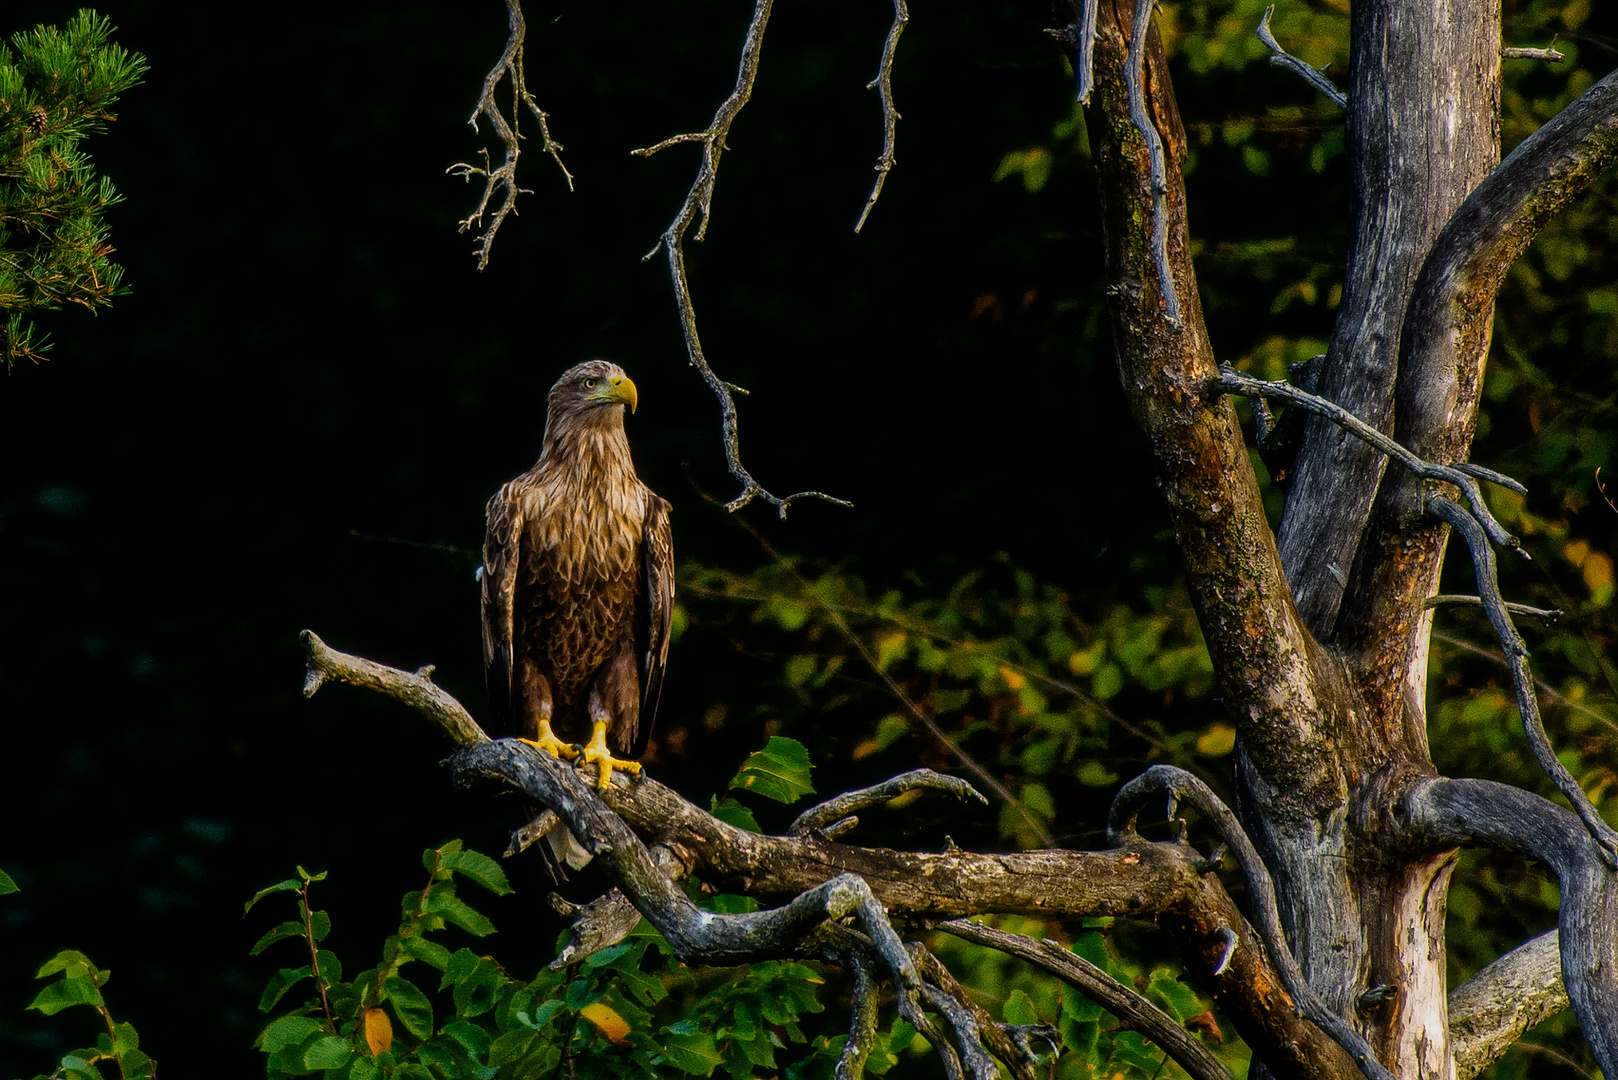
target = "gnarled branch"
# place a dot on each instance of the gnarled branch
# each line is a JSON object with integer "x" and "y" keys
{"x": 504, "y": 178}
{"x": 1165, "y": 882}
{"x": 699, "y": 200}
{"x": 1178, "y": 786}
{"x": 1443, "y": 813}
{"x": 1522, "y": 680}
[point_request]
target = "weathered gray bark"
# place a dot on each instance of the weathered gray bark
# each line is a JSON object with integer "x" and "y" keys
{"x": 1326, "y": 690}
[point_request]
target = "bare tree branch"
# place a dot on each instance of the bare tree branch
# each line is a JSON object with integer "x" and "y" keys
{"x": 1084, "y": 45}
{"x": 1444, "y": 341}
{"x": 416, "y": 689}
{"x": 883, "y": 84}
{"x": 699, "y": 200}
{"x": 1549, "y": 53}
{"x": 1549, "y": 615}
{"x": 1135, "y": 80}
{"x": 1180, "y": 786}
{"x": 833, "y": 811}
{"x": 1168, "y": 883}
{"x": 504, "y": 178}
{"x": 1522, "y": 679}
{"x": 1133, "y": 1011}
{"x": 1445, "y": 813}
{"x": 1282, "y": 58}
{"x": 1490, "y": 1011}
{"x": 1231, "y": 381}
{"x": 1544, "y": 687}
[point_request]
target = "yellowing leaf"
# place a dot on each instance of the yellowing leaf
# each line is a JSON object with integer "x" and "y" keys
{"x": 1597, "y": 570}
{"x": 1218, "y": 740}
{"x": 607, "y": 1019}
{"x": 1576, "y": 552}
{"x": 1014, "y": 680}
{"x": 378, "y": 1031}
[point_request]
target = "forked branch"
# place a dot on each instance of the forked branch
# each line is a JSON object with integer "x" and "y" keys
{"x": 1163, "y": 882}
{"x": 1465, "y": 477}
{"x": 1177, "y": 786}
{"x": 699, "y": 201}
{"x": 504, "y": 178}
{"x": 1522, "y": 679}
{"x": 1281, "y": 58}
{"x": 1441, "y": 813}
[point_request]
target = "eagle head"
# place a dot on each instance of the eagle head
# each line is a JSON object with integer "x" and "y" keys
{"x": 593, "y": 385}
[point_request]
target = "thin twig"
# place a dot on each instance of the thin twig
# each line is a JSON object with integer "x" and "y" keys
{"x": 505, "y": 177}
{"x": 1134, "y": 81}
{"x": 883, "y": 84}
{"x": 1544, "y": 687}
{"x": 1135, "y": 1011}
{"x": 1085, "y": 47}
{"x": 1231, "y": 381}
{"x": 699, "y": 200}
{"x": 817, "y": 818}
{"x": 1550, "y": 53}
{"x": 1522, "y": 679}
{"x": 1282, "y": 58}
{"x": 1603, "y": 489}
{"x": 1549, "y": 615}
{"x": 1084, "y": 697}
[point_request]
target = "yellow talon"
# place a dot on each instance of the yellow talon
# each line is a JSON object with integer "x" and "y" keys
{"x": 596, "y": 750}
{"x": 550, "y": 744}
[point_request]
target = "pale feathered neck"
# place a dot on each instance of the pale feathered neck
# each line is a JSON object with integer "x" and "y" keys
{"x": 589, "y": 444}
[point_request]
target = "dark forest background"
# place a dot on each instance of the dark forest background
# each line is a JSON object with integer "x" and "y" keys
{"x": 296, "y": 416}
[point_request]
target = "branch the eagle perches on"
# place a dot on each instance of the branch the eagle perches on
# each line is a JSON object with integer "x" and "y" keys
{"x": 841, "y": 902}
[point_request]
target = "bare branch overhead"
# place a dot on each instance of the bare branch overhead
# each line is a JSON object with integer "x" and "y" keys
{"x": 504, "y": 178}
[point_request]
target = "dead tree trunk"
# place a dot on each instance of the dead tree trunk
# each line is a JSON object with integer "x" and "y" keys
{"x": 1320, "y": 637}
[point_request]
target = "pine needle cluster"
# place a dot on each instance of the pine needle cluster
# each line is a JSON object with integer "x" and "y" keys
{"x": 56, "y": 87}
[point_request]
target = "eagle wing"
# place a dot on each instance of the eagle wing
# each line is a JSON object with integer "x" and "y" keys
{"x": 654, "y": 614}
{"x": 501, "y": 539}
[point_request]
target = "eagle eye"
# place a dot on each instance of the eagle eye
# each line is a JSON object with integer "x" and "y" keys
{"x": 590, "y": 384}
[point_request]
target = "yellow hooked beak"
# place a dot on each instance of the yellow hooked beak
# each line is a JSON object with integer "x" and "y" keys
{"x": 623, "y": 389}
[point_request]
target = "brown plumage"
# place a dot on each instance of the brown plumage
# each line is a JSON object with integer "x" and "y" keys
{"x": 578, "y": 582}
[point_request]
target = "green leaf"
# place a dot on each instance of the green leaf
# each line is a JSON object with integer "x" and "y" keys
{"x": 511, "y": 1046}
{"x": 479, "y": 868}
{"x": 419, "y": 948}
{"x": 734, "y": 813}
{"x": 329, "y": 1053}
{"x": 452, "y": 909}
{"x": 1019, "y": 1009}
{"x": 411, "y": 1006}
{"x": 75, "y": 963}
{"x": 473, "y": 1038}
{"x": 279, "y": 984}
{"x": 6, "y": 884}
{"x": 289, "y": 885}
{"x": 285, "y": 1031}
{"x": 64, "y": 993}
{"x": 476, "y": 993}
{"x": 694, "y": 1053}
{"x": 780, "y": 771}
{"x": 289, "y": 929}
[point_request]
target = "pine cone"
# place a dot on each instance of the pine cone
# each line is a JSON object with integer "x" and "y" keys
{"x": 36, "y": 119}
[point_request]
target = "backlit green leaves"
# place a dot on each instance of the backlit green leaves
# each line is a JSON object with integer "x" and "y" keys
{"x": 81, "y": 983}
{"x": 780, "y": 771}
